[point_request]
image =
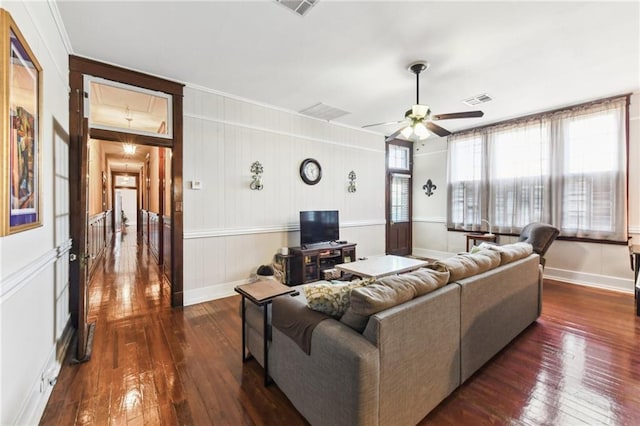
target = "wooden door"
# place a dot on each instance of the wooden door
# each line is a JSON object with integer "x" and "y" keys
{"x": 398, "y": 198}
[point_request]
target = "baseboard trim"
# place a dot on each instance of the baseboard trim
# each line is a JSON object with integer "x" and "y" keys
{"x": 212, "y": 292}
{"x": 34, "y": 405}
{"x": 604, "y": 282}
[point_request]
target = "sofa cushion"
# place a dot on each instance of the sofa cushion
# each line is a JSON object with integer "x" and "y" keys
{"x": 394, "y": 290}
{"x": 510, "y": 252}
{"x": 467, "y": 264}
{"x": 331, "y": 297}
{"x": 355, "y": 321}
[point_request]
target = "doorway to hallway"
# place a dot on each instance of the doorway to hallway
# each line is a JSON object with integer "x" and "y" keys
{"x": 160, "y": 96}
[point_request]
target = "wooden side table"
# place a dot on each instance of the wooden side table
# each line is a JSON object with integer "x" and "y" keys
{"x": 261, "y": 293}
{"x": 480, "y": 237}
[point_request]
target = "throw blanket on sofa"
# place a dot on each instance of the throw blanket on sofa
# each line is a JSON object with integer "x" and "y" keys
{"x": 296, "y": 321}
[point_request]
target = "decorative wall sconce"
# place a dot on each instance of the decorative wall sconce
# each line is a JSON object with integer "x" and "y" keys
{"x": 256, "y": 183}
{"x": 429, "y": 187}
{"x": 352, "y": 181}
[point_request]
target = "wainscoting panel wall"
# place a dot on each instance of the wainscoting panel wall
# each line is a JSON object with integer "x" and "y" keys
{"x": 230, "y": 229}
{"x": 34, "y": 290}
{"x": 97, "y": 232}
{"x": 154, "y": 235}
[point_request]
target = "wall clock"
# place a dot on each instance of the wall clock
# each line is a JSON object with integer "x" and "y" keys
{"x": 310, "y": 171}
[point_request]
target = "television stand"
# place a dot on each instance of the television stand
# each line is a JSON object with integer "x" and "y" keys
{"x": 305, "y": 264}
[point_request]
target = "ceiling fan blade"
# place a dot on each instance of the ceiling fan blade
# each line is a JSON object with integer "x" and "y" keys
{"x": 440, "y": 131}
{"x": 382, "y": 124}
{"x": 394, "y": 135}
{"x": 449, "y": 116}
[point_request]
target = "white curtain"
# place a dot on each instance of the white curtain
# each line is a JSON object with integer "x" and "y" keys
{"x": 591, "y": 196}
{"x": 566, "y": 168}
{"x": 518, "y": 171}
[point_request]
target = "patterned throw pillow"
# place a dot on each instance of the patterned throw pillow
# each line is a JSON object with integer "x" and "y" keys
{"x": 331, "y": 297}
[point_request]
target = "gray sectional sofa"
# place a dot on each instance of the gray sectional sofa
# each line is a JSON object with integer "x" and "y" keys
{"x": 410, "y": 356}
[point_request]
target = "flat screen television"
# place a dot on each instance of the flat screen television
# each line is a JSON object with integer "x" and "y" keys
{"x": 319, "y": 226}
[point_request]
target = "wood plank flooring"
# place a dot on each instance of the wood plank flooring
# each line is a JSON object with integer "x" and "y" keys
{"x": 578, "y": 364}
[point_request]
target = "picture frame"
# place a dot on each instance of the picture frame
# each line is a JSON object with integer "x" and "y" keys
{"x": 20, "y": 126}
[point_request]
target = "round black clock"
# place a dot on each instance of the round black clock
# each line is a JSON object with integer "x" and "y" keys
{"x": 310, "y": 171}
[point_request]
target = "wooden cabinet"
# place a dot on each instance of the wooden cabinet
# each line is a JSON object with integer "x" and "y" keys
{"x": 306, "y": 265}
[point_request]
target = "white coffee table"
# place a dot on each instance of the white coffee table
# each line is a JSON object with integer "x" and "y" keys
{"x": 381, "y": 266}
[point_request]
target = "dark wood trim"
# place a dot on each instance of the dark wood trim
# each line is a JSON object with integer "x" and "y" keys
{"x": 166, "y": 247}
{"x": 161, "y": 185}
{"x": 177, "y": 295}
{"x": 577, "y": 239}
{"x": 76, "y": 215}
{"x": 388, "y": 172}
{"x": 626, "y": 130}
{"x": 123, "y": 75}
{"x": 115, "y": 136}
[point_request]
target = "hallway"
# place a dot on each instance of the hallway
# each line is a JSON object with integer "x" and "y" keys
{"x": 152, "y": 364}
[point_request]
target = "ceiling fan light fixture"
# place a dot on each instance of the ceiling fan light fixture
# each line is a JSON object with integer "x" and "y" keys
{"x": 420, "y": 130}
{"x": 420, "y": 110}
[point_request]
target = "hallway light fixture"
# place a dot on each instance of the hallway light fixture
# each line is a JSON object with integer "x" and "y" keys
{"x": 129, "y": 148}
{"x": 256, "y": 183}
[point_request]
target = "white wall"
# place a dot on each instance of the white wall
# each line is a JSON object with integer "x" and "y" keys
{"x": 33, "y": 304}
{"x": 229, "y": 229}
{"x": 129, "y": 205}
{"x": 601, "y": 265}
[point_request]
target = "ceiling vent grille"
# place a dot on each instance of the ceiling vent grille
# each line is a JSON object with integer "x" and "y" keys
{"x": 476, "y": 100}
{"x": 323, "y": 112}
{"x": 301, "y": 7}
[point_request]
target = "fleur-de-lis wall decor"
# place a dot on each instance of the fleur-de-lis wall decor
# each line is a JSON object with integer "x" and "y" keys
{"x": 429, "y": 187}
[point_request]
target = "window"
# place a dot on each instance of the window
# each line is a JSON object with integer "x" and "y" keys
{"x": 124, "y": 108}
{"x": 399, "y": 157}
{"x": 400, "y": 197}
{"x": 567, "y": 168}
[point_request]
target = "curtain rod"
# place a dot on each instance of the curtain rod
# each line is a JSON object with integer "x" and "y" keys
{"x": 545, "y": 113}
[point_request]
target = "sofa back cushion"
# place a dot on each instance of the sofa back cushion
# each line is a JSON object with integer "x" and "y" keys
{"x": 468, "y": 264}
{"x": 388, "y": 292}
{"x": 510, "y": 252}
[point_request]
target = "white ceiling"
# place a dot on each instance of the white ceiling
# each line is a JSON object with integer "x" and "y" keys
{"x": 529, "y": 56}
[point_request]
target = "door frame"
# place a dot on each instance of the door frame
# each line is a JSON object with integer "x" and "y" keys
{"x": 78, "y": 68}
{"x": 387, "y": 195}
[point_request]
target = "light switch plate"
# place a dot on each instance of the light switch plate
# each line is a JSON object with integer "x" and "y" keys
{"x": 196, "y": 184}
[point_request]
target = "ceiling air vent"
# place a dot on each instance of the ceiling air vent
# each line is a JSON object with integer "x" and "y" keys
{"x": 479, "y": 99}
{"x": 323, "y": 112}
{"x": 301, "y": 7}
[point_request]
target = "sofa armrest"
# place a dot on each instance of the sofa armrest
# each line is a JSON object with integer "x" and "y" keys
{"x": 337, "y": 384}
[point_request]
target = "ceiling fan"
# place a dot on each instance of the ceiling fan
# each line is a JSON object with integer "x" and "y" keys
{"x": 420, "y": 122}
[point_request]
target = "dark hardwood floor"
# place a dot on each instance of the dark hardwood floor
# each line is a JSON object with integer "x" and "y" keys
{"x": 578, "y": 364}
